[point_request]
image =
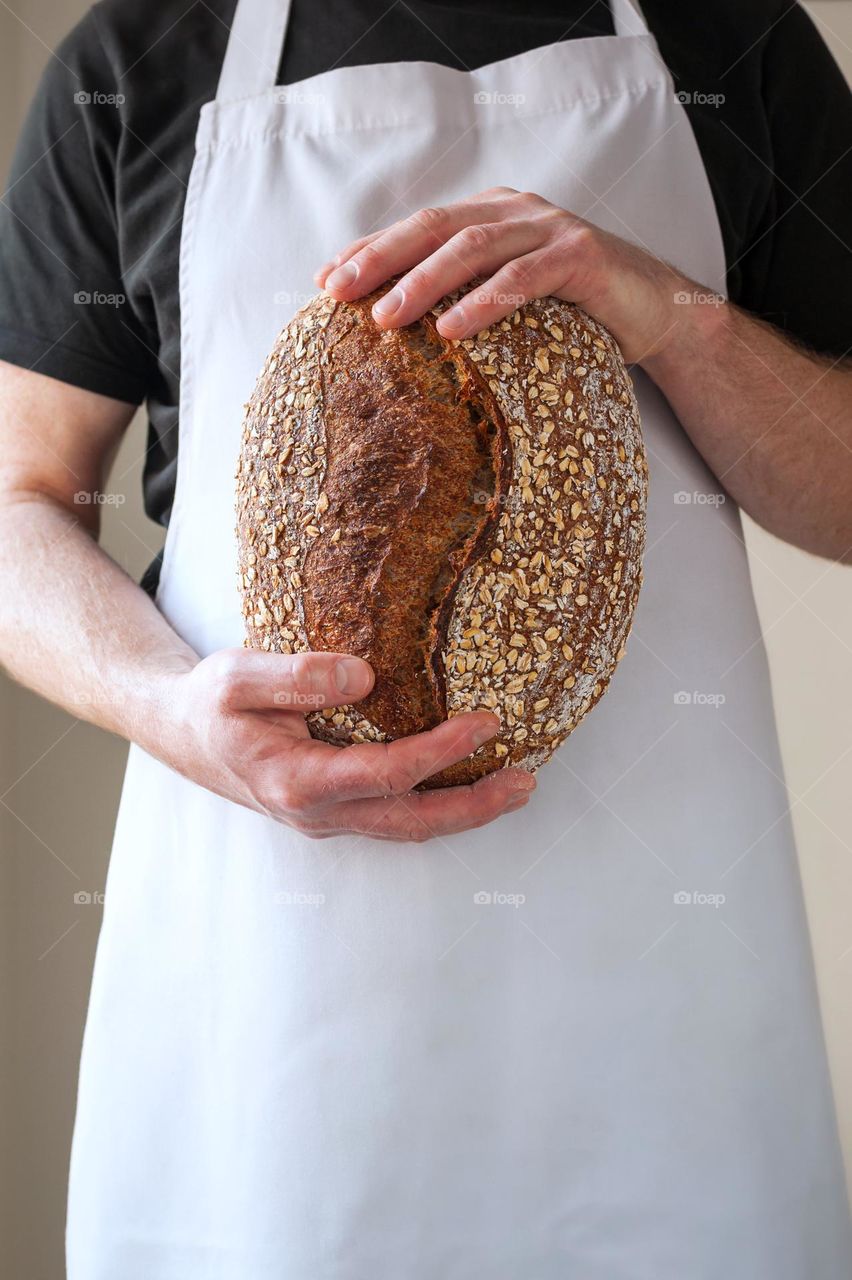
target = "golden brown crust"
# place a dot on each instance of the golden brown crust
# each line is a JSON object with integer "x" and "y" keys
{"x": 403, "y": 461}
{"x": 468, "y": 516}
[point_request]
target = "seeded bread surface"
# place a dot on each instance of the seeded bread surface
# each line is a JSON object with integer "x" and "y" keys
{"x": 467, "y": 516}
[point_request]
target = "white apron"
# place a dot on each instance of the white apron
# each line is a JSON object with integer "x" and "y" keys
{"x": 580, "y": 1044}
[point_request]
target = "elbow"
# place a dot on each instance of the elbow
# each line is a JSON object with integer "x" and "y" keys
{"x": 814, "y": 532}
{"x": 17, "y": 501}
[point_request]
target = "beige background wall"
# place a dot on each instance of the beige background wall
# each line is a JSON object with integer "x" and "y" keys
{"x": 59, "y": 783}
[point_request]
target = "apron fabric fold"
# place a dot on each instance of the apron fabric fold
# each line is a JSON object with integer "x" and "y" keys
{"x": 581, "y": 1042}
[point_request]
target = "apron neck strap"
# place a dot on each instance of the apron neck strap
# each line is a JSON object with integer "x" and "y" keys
{"x": 254, "y": 48}
{"x": 628, "y": 18}
{"x": 260, "y": 26}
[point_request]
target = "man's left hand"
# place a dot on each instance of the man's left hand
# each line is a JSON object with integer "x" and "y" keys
{"x": 520, "y": 246}
{"x": 772, "y": 421}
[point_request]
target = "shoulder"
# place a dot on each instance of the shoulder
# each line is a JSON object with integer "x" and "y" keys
{"x": 144, "y": 40}
{"x": 134, "y": 76}
{"x": 726, "y": 36}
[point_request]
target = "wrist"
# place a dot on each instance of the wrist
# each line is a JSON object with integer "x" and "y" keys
{"x": 699, "y": 330}
{"x": 158, "y": 717}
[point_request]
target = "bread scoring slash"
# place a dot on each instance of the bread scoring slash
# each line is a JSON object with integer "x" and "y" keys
{"x": 469, "y": 517}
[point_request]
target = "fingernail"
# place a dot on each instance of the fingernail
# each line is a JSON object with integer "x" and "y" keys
{"x": 390, "y": 303}
{"x": 452, "y": 319}
{"x": 327, "y": 266}
{"x": 484, "y": 733}
{"x": 521, "y": 783}
{"x": 352, "y": 676}
{"x": 343, "y": 276}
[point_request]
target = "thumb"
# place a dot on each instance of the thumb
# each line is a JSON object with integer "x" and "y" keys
{"x": 301, "y": 682}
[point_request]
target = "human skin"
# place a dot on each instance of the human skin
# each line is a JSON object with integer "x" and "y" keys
{"x": 78, "y": 630}
{"x": 772, "y": 421}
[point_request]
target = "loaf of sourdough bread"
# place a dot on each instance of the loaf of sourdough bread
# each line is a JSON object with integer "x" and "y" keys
{"x": 469, "y": 517}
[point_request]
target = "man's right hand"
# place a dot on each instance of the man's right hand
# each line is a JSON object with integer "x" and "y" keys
{"x": 235, "y": 724}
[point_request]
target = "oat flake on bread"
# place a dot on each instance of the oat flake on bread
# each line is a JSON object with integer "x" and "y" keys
{"x": 467, "y": 516}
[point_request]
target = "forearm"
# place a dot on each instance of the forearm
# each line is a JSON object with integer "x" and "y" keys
{"x": 773, "y": 422}
{"x": 79, "y": 631}
{"x": 76, "y": 629}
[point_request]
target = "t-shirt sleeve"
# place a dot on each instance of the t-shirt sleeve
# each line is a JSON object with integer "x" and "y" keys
{"x": 797, "y": 269}
{"x": 63, "y": 310}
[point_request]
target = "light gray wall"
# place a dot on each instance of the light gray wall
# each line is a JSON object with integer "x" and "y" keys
{"x": 60, "y": 779}
{"x": 61, "y": 782}
{"x": 8, "y": 115}
{"x": 805, "y": 606}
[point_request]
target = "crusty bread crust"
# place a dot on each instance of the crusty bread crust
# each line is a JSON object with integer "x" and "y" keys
{"x": 467, "y": 516}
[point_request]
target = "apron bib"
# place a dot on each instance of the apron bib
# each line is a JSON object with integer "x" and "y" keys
{"x": 580, "y": 1044}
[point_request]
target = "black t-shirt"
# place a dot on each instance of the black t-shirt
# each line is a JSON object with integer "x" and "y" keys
{"x": 90, "y": 225}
